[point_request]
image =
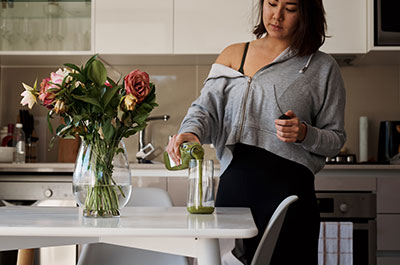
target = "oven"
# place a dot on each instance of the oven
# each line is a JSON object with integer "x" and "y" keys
{"x": 358, "y": 208}
{"x": 23, "y": 184}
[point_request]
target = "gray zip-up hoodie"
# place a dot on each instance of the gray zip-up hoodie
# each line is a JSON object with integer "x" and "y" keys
{"x": 234, "y": 108}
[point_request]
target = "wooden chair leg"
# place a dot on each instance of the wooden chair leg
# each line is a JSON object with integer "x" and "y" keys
{"x": 25, "y": 256}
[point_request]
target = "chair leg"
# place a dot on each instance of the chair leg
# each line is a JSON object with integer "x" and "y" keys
{"x": 25, "y": 256}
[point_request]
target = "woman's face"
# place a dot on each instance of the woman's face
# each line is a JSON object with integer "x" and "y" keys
{"x": 280, "y": 18}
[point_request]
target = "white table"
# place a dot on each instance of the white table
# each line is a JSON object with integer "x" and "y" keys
{"x": 165, "y": 229}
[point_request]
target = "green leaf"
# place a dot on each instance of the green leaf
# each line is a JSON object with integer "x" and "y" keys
{"x": 48, "y": 121}
{"x": 76, "y": 120}
{"x": 134, "y": 130}
{"x": 68, "y": 136}
{"x": 78, "y": 76}
{"x": 108, "y": 130}
{"x": 130, "y": 132}
{"x": 97, "y": 73}
{"x": 89, "y": 100}
{"x": 109, "y": 95}
{"x": 112, "y": 83}
{"x": 146, "y": 107}
{"x": 140, "y": 118}
{"x": 51, "y": 144}
{"x": 89, "y": 62}
{"x": 97, "y": 110}
{"x": 119, "y": 151}
{"x": 67, "y": 120}
{"x": 152, "y": 95}
{"x": 62, "y": 129}
{"x": 72, "y": 66}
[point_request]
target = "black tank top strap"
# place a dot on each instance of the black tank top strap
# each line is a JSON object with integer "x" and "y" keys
{"x": 244, "y": 58}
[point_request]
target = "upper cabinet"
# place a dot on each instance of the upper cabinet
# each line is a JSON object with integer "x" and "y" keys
{"x": 159, "y": 26}
{"x": 45, "y": 26}
{"x": 347, "y": 26}
{"x": 133, "y": 27}
{"x": 208, "y": 26}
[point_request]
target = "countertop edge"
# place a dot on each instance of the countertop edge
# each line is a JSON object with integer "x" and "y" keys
{"x": 143, "y": 168}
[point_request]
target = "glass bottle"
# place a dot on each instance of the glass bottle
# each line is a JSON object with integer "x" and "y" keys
{"x": 19, "y": 144}
{"x": 7, "y": 140}
{"x": 188, "y": 151}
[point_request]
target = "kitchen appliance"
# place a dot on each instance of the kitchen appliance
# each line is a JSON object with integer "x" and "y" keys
{"x": 45, "y": 185}
{"x": 389, "y": 140}
{"x": 358, "y": 208}
{"x": 386, "y": 23}
{"x": 342, "y": 159}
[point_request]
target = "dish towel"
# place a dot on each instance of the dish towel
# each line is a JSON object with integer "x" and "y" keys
{"x": 335, "y": 246}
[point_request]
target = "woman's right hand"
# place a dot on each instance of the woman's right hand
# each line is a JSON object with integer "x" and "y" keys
{"x": 174, "y": 143}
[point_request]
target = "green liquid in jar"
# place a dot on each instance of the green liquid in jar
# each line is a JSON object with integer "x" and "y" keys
{"x": 200, "y": 210}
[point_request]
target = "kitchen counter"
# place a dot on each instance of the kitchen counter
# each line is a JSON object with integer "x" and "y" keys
{"x": 144, "y": 170}
{"x": 160, "y": 170}
{"x": 41, "y": 181}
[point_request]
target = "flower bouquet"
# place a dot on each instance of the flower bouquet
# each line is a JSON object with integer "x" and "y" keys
{"x": 102, "y": 112}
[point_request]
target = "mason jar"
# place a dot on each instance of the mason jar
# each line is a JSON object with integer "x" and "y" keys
{"x": 200, "y": 198}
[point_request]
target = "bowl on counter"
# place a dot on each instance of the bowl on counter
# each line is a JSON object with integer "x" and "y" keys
{"x": 6, "y": 154}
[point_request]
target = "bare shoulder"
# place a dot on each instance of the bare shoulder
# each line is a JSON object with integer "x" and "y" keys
{"x": 231, "y": 55}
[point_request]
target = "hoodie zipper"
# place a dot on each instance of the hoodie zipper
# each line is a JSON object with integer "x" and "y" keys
{"x": 244, "y": 107}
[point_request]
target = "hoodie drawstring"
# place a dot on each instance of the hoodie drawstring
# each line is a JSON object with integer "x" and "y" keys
{"x": 302, "y": 70}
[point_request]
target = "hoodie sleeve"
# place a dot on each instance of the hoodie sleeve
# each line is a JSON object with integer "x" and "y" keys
{"x": 205, "y": 115}
{"x": 326, "y": 136}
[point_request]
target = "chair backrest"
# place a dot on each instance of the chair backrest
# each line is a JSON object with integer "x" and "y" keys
{"x": 154, "y": 197}
{"x": 267, "y": 244}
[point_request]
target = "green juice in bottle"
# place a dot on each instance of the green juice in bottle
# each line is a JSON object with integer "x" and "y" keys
{"x": 188, "y": 151}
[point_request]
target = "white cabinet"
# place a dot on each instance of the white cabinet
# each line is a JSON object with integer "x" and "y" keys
{"x": 208, "y": 26}
{"x": 133, "y": 26}
{"x": 45, "y": 27}
{"x": 347, "y": 24}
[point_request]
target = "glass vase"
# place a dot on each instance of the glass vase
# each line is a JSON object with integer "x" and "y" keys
{"x": 102, "y": 180}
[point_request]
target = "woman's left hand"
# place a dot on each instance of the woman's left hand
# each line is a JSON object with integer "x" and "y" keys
{"x": 291, "y": 130}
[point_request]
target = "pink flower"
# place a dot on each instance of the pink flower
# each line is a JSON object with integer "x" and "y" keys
{"x": 58, "y": 76}
{"x": 137, "y": 83}
{"x": 46, "y": 97}
{"x": 108, "y": 84}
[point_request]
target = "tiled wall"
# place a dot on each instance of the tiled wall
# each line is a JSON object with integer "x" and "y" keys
{"x": 372, "y": 90}
{"x": 177, "y": 86}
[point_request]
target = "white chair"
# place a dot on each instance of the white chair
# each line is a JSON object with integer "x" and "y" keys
{"x": 268, "y": 241}
{"x": 267, "y": 244}
{"x": 107, "y": 254}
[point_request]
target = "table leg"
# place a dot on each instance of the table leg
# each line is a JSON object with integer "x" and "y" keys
{"x": 208, "y": 251}
{"x": 25, "y": 256}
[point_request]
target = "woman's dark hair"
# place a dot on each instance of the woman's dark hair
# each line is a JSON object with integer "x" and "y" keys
{"x": 310, "y": 32}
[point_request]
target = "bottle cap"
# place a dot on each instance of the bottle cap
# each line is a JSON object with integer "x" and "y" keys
{"x": 18, "y": 125}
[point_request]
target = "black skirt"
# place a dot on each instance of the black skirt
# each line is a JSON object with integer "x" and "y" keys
{"x": 260, "y": 180}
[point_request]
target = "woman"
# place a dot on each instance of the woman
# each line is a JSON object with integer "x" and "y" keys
{"x": 274, "y": 109}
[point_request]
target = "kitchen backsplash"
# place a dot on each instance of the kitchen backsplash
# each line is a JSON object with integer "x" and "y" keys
{"x": 372, "y": 91}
